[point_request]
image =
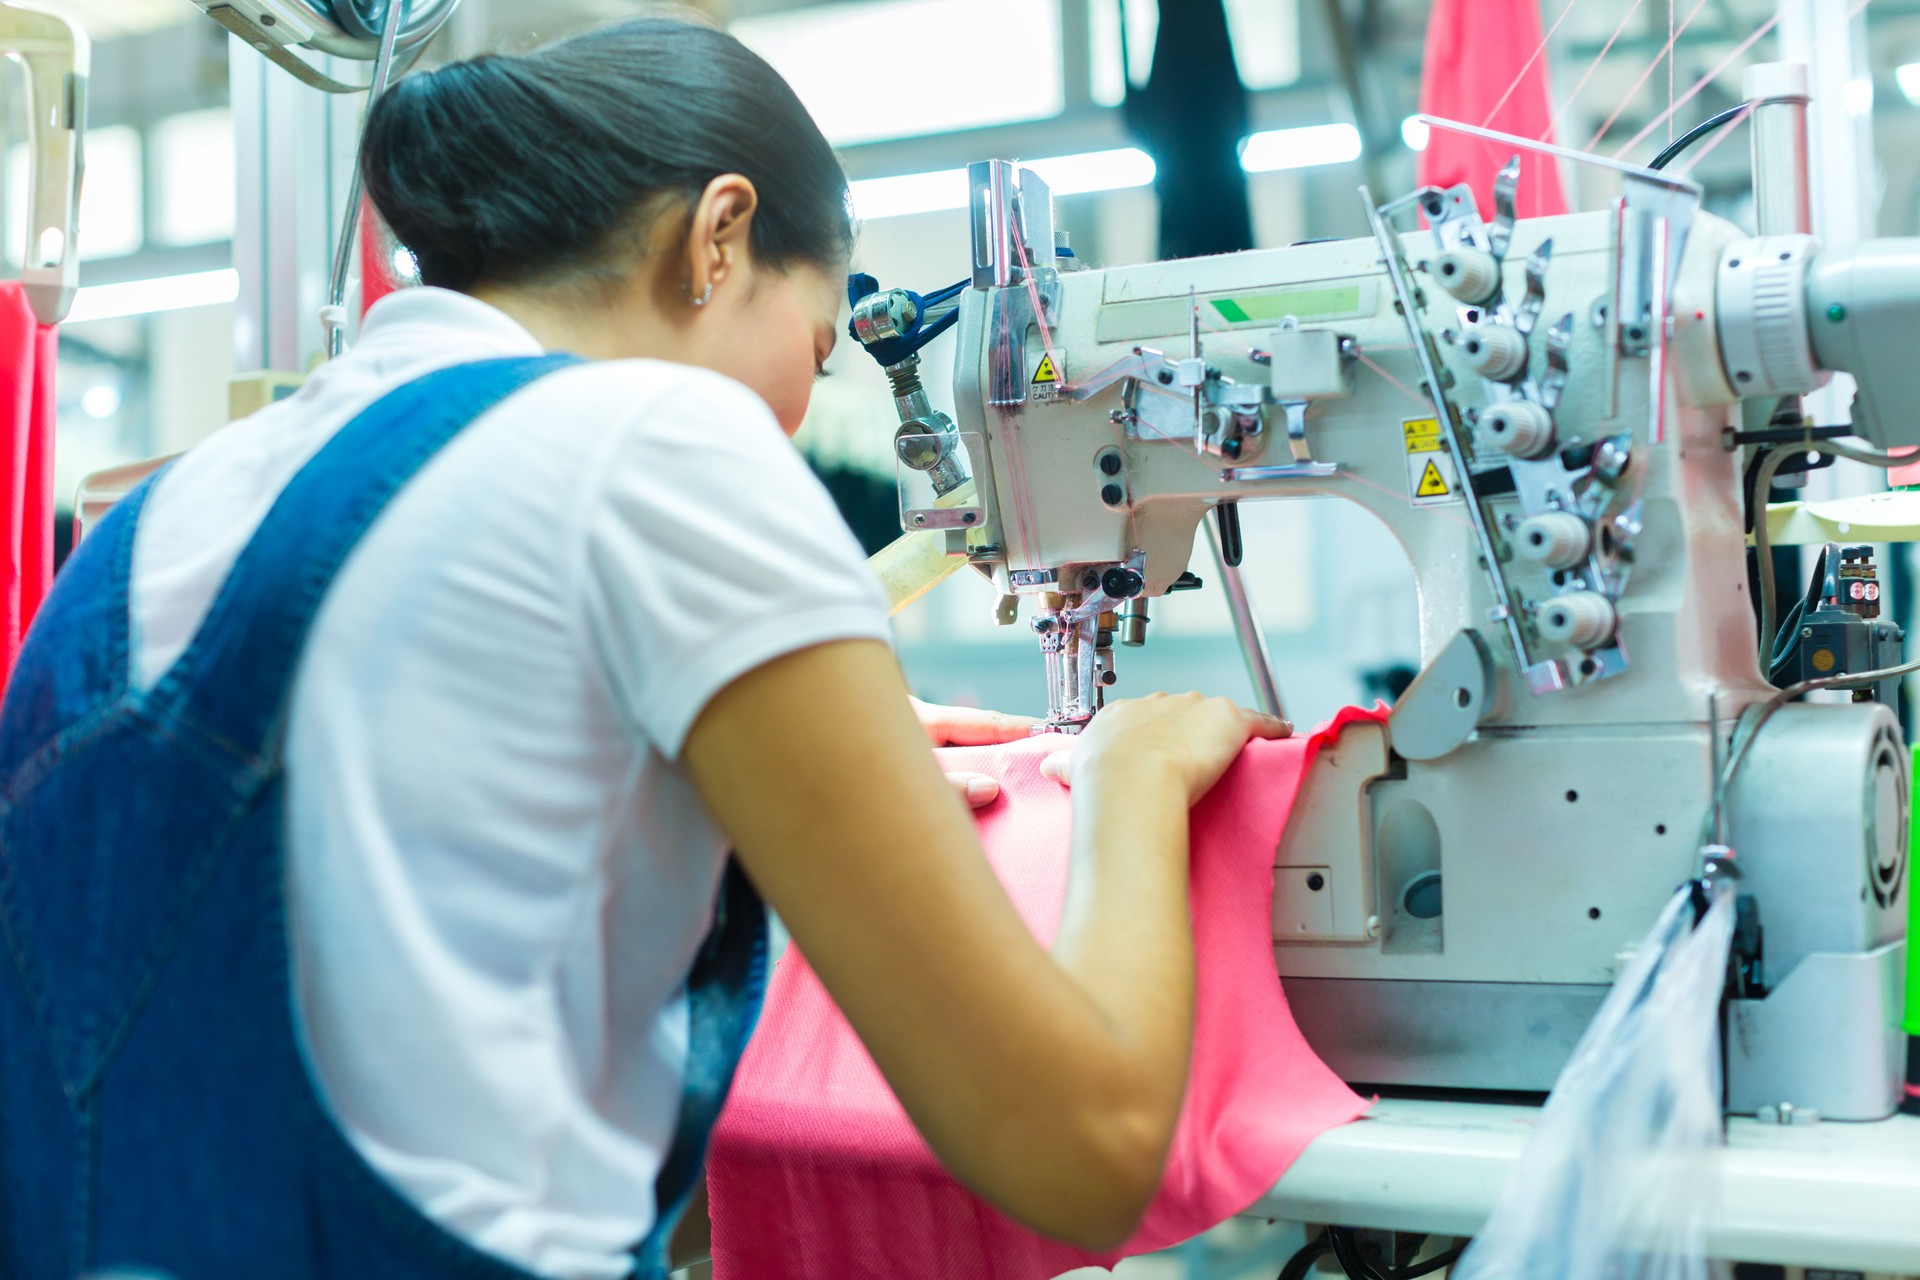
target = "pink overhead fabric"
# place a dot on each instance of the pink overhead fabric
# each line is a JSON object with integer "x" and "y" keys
{"x": 1476, "y": 49}
{"x": 817, "y": 1174}
{"x": 27, "y": 355}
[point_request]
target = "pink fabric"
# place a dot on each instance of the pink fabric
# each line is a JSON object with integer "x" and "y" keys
{"x": 377, "y": 247}
{"x": 1475, "y": 50}
{"x": 817, "y": 1174}
{"x": 27, "y": 356}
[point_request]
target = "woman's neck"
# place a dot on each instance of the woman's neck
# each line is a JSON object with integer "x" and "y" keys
{"x": 622, "y": 326}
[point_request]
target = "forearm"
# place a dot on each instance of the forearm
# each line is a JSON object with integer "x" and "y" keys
{"x": 1037, "y": 1079}
{"x": 1126, "y": 936}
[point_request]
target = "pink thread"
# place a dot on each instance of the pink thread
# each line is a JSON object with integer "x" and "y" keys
{"x": 1665, "y": 51}
{"x": 1699, "y": 85}
{"x": 1528, "y": 64}
{"x": 1592, "y": 67}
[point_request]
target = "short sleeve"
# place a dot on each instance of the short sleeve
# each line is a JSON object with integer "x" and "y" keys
{"x": 712, "y": 549}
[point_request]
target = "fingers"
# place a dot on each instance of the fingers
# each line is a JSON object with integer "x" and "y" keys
{"x": 1266, "y": 726}
{"x": 970, "y": 727}
{"x": 962, "y": 727}
{"x": 977, "y": 789}
{"x": 1059, "y": 767}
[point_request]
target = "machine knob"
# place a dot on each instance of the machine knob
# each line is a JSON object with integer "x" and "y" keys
{"x": 880, "y": 316}
{"x": 1122, "y": 583}
{"x": 924, "y": 445}
{"x": 1579, "y": 619}
{"x": 1556, "y": 539}
{"x": 1469, "y": 274}
{"x": 1519, "y": 427}
{"x": 1496, "y": 351}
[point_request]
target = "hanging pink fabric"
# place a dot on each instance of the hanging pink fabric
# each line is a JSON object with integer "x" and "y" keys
{"x": 376, "y": 258}
{"x": 1476, "y": 50}
{"x": 27, "y": 357}
{"x": 817, "y": 1174}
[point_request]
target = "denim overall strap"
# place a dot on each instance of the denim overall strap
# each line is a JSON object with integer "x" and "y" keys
{"x": 724, "y": 992}
{"x": 233, "y": 682}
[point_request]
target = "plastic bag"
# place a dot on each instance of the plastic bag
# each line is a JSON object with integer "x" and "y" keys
{"x": 1617, "y": 1182}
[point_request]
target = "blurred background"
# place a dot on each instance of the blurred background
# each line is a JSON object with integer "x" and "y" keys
{"x": 910, "y": 90}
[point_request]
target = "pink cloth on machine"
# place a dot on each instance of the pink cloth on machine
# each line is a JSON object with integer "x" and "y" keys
{"x": 1475, "y": 50}
{"x": 817, "y": 1174}
{"x": 28, "y": 350}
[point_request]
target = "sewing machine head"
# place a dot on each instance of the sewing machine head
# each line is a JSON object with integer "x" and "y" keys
{"x": 1537, "y": 409}
{"x": 1552, "y": 417}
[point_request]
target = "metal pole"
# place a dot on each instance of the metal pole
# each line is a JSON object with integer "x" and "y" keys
{"x": 1246, "y": 626}
{"x": 335, "y": 317}
{"x": 1782, "y": 193}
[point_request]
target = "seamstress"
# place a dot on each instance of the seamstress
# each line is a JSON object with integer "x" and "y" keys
{"x": 611, "y": 631}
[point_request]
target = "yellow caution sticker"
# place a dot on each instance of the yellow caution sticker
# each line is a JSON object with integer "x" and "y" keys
{"x": 1430, "y": 475}
{"x": 1046, "y": 374}
{"x": 1423, "y": 435}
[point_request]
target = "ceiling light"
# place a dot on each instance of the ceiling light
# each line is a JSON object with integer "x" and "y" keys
{"x": 1301, "y": 148}
{"x": 944, "y": 189}
{"x": 150, "y": 297}
{"x": 1908, "y": 78}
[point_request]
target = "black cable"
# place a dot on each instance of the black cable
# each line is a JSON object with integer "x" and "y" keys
{"x": 1346, "y": 1251}
{"x": 1696, "y": 133}
{"x": 1433, "y": 1264}
{"x": 1303, "y": 1259}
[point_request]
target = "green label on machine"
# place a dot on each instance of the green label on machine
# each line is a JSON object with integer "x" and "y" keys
{"x": 1302, "y": 304}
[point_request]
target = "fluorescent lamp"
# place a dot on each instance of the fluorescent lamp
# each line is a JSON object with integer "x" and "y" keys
{"x": 1908, "y": 78}
{"x": 1096, "y": 171}
{"x": 1072, "y": 175}
{"x": 1416, "y": 133}
{"x": 909, "y": 193}
{"x": 1093, "y": 171}
{"x": 150, "y": 297}
{"x": 1301, "y": 148}
{"x": 1857, "y": 95}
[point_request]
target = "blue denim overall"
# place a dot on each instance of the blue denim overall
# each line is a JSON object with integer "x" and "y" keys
{"x": 156, "y": 1112}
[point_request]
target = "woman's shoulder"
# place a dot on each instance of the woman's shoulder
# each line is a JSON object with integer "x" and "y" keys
{"x": 642, "y": 394}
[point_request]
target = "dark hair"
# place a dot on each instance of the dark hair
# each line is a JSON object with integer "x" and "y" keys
{"x": 512, "y": 169}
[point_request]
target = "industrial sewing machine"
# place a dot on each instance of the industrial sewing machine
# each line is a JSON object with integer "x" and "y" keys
{"x": 1548, "y": 414}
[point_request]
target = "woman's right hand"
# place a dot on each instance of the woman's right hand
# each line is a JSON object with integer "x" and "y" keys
{"x": 1183, "y": 738}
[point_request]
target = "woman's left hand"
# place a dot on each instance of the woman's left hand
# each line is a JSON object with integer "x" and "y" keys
{"x": 970, "y": 727}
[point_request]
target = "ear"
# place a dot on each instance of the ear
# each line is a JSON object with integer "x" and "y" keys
{"x": 717, "y": 235}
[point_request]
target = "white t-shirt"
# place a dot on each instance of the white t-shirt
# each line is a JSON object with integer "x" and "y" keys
{"x": 497, "y": 872}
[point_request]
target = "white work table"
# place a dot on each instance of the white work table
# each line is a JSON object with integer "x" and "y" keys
{"x": 1823, "y": 1195}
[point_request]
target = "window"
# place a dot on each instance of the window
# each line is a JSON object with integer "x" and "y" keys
{"x": 1103, "y": 23}
{"x": 194, "y": 178}
{"x": 1266, "y": 41}
{"x": 906, "y": 68}
{"x": 1265, "y": 33}
{"x": 113, "y": 197}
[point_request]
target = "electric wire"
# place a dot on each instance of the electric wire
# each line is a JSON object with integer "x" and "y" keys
{"x": 1770, "y": 464}
{"x": 1761, "y": 712}
{"x": 1698, "y": 86}
{"x": 1762, "y": 536}
{"x": 1304, "y": 1257}
{"x": 1673, "y": 149}
{"x": 1346, "y": 1251}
